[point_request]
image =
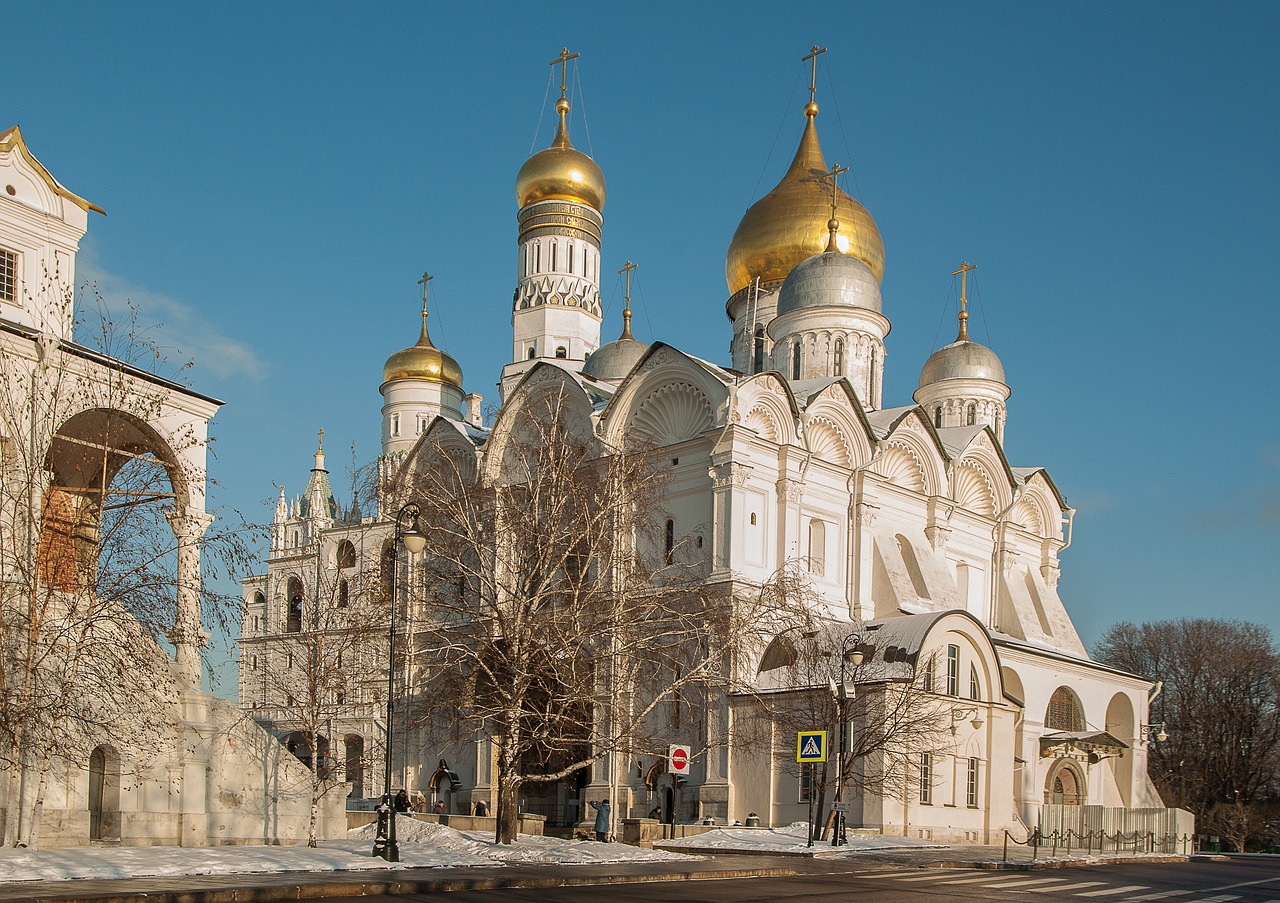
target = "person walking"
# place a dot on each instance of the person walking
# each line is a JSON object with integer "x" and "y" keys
{"x": 602, "y": 820}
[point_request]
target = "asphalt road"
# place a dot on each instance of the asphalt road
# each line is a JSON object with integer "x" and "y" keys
{"x": 1214, "y": 882}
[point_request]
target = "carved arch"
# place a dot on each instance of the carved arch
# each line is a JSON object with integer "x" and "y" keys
{"x": 900, "y": 465}
{"x": 972, "y": 489}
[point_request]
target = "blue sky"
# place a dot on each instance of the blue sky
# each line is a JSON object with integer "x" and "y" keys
{"x": 278, "y": 176}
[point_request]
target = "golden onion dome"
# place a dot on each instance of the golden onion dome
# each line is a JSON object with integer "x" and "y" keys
{"x": 561, "y": 172}
{"x": 423, "y": 361}
{"x": 789, "y": 224}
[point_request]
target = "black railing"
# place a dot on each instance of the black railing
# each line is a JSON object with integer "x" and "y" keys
{"x": 1135, "y": 843}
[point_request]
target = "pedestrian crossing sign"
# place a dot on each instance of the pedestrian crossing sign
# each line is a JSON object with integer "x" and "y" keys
{"x": 811, "y": 746}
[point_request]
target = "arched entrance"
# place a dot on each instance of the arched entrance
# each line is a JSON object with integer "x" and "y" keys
{"x": 1065, "y": 785}
{"x": 104, "y": 794}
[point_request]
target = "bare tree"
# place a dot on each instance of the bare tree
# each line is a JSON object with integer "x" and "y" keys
{"x": 1220, "y": 707}
{"x": 310, "y": 674}
{"x": 826, "y": 675}
{"x": 558, "y": 617}
{"x": 96, "y": 467}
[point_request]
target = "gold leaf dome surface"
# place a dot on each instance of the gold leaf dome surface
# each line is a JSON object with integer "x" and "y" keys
{"x": 423, "y": 361}
{"x": 789, "y": 224}
{"x": 561, "y": 172}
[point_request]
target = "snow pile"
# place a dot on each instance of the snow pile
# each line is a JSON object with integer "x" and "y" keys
{"x": 422, "y": 845}
{"x": 793, "y": 838}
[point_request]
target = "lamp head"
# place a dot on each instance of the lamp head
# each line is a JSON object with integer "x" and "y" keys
{"x": 413, "y": 539}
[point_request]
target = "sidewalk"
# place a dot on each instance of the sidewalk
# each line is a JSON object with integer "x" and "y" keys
{"x": 267, "y": 888}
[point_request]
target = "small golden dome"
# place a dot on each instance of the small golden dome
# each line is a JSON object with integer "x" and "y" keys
{"x": 423, "y": 361}
{"x": 790, "y": 223}
{"x": 561, "y": 172}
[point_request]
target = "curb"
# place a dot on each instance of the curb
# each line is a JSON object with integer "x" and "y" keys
{"x": 1038, "y": 864}
{"x": 320, "y": 891}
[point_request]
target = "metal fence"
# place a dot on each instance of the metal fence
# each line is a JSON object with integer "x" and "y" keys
{"x": 1098, "y": 820}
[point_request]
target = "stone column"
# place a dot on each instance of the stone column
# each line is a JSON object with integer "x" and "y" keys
{"x": 188, "y": 525}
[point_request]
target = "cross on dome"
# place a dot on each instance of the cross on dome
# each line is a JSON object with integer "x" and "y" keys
{"x": 626, "y": 297}
{"x": 833, "y": 224}
{"x": 813, "y": 55}
{"x": 563, "y": 62}
{"x": 963, "y": 273}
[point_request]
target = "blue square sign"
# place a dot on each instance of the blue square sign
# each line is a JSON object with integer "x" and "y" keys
{"x": 811, "y": 746}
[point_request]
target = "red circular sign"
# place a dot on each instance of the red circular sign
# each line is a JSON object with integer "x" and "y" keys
{"x": 679, "y": 759}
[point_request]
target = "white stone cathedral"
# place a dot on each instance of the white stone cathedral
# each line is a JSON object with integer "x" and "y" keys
{"x": 912, "y": 525}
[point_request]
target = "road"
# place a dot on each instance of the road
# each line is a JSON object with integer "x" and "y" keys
{"x": 1240, "y": 881}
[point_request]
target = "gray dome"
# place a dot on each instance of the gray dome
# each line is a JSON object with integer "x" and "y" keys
{"x": 962, "y": 360}
{"x": 612, "y": 362}
{"x": 829, "y": 279}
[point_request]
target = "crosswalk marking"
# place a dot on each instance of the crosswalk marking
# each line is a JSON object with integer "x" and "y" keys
{"x": 1060, "y": 887}
{"x": 975, "y": 880}
{"x": 1158, "y": 895}
{"x": 944, "y": 876}
{"x": 1112, "y": 891}
{"x": 1026, "y": 883}
{"x": 1223, "y": 898}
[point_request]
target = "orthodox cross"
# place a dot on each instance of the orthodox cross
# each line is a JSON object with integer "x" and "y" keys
{"x": 563, "y": 62}
{"x": 423, "y": 282}
{"x": 320, "y": 446}
{"x": 626, "y": 294}
{"x": 834, "y": 224}
{"x": 963, "y": 273}
{"x": 813, "y": 76}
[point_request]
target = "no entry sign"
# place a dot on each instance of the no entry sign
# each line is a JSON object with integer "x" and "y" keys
{"x": 679, "y": 757}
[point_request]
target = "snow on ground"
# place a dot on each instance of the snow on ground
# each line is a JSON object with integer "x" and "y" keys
{"x": 422, "y": 845}
{"x": 793, "y": 838}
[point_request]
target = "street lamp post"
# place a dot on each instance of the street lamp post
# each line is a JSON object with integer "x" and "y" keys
{"x": 850, "y": 653}
{"x": 384, "y": 844}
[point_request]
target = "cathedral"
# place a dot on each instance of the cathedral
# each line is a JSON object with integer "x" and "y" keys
{"x": 911, "y": 526}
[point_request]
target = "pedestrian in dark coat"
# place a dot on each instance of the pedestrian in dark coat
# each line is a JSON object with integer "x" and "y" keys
{"x": 602, "y": 820}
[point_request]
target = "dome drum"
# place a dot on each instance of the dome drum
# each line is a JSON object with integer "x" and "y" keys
{"x": 829, "y": 280}
{"x": 560, "y": 218}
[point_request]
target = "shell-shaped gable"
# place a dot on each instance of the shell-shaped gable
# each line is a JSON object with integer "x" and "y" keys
{"x": 834, "y": 415}
{"x": 982, "y": 456}
{"x": 764, "y": 404}
{"x": 670, "y": 397}
{"x": 913, "y": 437}
{"x": 519, "y": 421}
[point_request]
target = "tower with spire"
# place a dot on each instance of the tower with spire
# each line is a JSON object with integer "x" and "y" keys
{"x": 556, "y": 309}
{"x": 419, "y": 383}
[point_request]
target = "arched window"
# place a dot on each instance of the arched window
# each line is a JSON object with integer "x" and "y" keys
{"x": 795, "y": 361}
{"x": 817, "y": 548}
{"x": 838, "y": 354}
{"x": 533, "y": 352}
{"x": 973, "y": 414}
{"x": 395, "y": 426}
{"x": 757, "y": 363}
{"x": 953, "y": 670}
{"x": 346, "y": 555}
{"x": 1063, "y": 712}
{"x": 537, "y": 257}
{"x": 344, "y": 593}
{"x": 293, "y": 616}
{"x": 873, "y": 374}
{"x": 669, "y": 541}
{"x": 553, "y": 257}
{"x": 562, "y": 352}
{"x": 570, "y": 258}
{"x": 937, "y": 416}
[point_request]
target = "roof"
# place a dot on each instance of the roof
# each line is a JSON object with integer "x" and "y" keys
{"x": 11, "y": 139}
